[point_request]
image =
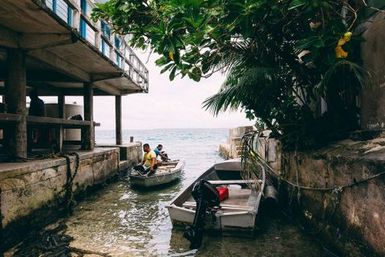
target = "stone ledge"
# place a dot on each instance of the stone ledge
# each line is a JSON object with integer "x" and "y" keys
{"x": 9, "y": 170}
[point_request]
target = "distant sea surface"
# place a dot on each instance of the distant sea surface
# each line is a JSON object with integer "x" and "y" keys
{"x": 198, "y": 147}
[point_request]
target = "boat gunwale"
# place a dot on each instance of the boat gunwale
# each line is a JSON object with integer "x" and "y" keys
{"x": 153, "y": 180}
{"x": 178, "y": 168}
{"x": 176, "y": 208}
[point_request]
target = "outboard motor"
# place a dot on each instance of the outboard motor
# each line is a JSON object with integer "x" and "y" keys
{"x": 270, "y": 201}
{"x": 206, "y": 196}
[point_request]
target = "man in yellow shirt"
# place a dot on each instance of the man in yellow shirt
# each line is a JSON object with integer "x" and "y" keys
{"x": 149, "y": 161}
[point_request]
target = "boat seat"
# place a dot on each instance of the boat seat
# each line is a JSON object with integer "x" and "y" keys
{"x": 223, "y": 206}
{"x": 238, "y": 200}
{"x": 227, "y": 182}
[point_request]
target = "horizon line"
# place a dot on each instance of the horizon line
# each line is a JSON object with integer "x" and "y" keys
{"x": 174, "y": 128}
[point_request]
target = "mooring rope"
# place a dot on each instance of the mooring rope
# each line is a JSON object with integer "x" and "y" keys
{"x": 255, "y": 157}
{"x": 68, "y": 187}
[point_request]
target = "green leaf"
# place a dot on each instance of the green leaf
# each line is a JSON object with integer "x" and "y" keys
{"x": 296, "y": 4}
{"x": 172, "y": 73}
{"x": 196, "y": 74}
{"x": 310, "y": 42}
{"x": 161, "y": 61}
{"x": 167, "y": 67}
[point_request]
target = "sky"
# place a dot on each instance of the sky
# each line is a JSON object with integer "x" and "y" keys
{"x": 169, "y": 104}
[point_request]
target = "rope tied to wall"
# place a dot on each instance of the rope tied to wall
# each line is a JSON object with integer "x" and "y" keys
{"x": 248, "y": 141}
{"x": 69, "y": 200}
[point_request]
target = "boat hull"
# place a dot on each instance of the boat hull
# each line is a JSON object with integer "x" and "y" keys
{"x": 154, "y": 180}
{"x": 159, "y": 178}
{"x": 242, "y": 221}
{"x": 236, "y": 214}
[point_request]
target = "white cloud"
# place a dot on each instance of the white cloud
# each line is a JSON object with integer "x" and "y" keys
{"x": 169, "y": 104}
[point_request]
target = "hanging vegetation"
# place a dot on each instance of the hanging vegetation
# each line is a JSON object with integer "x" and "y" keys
{"x": 281, "y": 57}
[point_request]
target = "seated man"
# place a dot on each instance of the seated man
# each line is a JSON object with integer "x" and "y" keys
{"x": 36, "y": 107}
{"x": 149, "y": 164}
{"x": 36, "y": 134}
{"x": 161, "y": 155}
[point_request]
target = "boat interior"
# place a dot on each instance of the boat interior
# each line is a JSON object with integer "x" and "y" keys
{"x": 163, "y": 168}
{"x": 166, "y": 167}
{"x": 242, "y": 193}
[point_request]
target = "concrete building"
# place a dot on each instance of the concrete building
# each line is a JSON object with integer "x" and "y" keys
{"x": 53, "y": 46}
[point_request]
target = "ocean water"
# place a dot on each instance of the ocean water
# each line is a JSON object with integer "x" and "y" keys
{"x": 122, "y": 221}
{"x": 198, "y": 147}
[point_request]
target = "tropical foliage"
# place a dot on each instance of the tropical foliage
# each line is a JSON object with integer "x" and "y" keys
{"x": 281, "y": 57}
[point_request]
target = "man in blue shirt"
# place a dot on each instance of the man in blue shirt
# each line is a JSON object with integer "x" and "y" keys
{"x": 162, "y": 154}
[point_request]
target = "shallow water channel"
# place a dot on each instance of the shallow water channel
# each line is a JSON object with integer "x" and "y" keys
{"x": 121, "y": 221}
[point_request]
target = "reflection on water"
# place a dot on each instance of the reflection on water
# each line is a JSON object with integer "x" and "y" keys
{"x": 123, "y": 221}
{"x": 126, "y": 222}
{"x": 119, "y": 220}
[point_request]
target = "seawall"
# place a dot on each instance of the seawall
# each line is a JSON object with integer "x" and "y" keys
{"x": 233, "y": 147}
{"x": 30, "y": 192}
{"x": 337, "y": 191}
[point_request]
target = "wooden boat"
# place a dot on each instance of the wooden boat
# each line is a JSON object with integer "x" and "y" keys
{"x": 165, "y": 173}
{"x": 237, "y": 213}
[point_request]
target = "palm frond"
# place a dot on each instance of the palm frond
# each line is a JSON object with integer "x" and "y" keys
{"x": 237, "y": 88}
{"x": 344, "y": 71}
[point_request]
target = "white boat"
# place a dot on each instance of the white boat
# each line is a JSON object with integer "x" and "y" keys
{"x": 166, "y": 173}
{"x": 237, "y": 213}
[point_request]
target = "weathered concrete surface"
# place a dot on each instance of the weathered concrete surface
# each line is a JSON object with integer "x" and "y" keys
{"x": 373, "y": 55}
{"x": 15, "y": 88}
{"x": 55, "y": 46}
{"x": 269, "y": 150}
{"x": 351, "y": 217}
{"x": 26, "y": 187}
{"x": 233, "y": 147}
{"x": 131, "y": 152}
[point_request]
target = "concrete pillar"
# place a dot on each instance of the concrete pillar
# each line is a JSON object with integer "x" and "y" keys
{"x": 15, "y": 98}
{"x": 118, "y": 119}
{"x": 61, "y": 105}
{"x": 88, "y": 134}
{"x": 59, "y": 131}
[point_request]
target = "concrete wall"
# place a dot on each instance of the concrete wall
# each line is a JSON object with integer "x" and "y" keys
{"x": 27, "y": 187}
{"x": 350, "y": 219}
{"x": 233, "y": 147}
{"x": 131, "y": 152}
{"x": 373, "y": 55}
{"x": 270, "y": 150}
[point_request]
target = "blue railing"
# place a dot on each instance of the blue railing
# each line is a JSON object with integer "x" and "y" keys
{"x": 105, "y": 48}
{"x": 99, "y": 34}
{"x": 62, "y": 9}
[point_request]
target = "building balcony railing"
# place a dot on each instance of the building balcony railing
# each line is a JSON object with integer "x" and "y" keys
{"x": 77, "y": 13}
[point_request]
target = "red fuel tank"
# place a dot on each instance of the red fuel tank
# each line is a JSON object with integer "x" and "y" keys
{"x": 223, "y": 193}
